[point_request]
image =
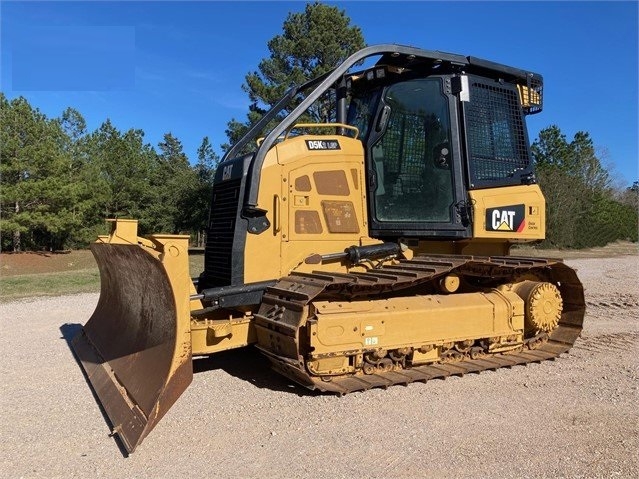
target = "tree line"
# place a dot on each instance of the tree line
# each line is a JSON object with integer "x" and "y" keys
{"x": 583, "y": 206}
{"x": 59, "y": 181}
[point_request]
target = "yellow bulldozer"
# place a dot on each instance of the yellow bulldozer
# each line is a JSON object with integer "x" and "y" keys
{"x": 368, "y": 251}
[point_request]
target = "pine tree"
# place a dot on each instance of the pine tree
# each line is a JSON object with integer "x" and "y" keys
{"x": 39, "y": 190}
{"x": 173, "y": 181}
{"x": 122, "y": 164}
{"x": 312, "y": 43}
{"x": 582, "y": 208}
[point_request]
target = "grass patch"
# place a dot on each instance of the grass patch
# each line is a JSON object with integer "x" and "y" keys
{"x": 196, "y": 264}
{"x": 49, "y": 284}
{"x": 54, "y": 278}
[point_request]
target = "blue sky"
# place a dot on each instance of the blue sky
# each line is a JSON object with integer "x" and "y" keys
{"x": 178, "y": 67}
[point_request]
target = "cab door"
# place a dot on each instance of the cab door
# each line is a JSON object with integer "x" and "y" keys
{"x": 414, "y": 163}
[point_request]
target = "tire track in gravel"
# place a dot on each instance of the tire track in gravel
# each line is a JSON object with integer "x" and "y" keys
{"x": 611, "y": 342}
{"x": 619, "y": 301}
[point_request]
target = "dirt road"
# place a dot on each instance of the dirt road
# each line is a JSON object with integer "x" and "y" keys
{"x": 573, "y": 417}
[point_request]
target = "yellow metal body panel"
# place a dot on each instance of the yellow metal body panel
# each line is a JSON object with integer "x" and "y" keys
{"x": 490, "y": 247}
{"x": 514, "y": 213}
{"x": 414, "y": 321}
{"x": 315, "y": 203}
{"x": 262, "y": 252}
{"x": 212, "y": 336}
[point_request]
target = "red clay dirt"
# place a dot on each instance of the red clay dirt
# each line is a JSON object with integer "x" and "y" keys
{"x": 14, "y": 264}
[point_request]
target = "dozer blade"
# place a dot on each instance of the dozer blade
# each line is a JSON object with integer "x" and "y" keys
{"x": 136, "y": 347}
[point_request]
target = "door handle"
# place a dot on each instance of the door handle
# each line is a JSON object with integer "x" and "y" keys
{"x": 277, "y": 214}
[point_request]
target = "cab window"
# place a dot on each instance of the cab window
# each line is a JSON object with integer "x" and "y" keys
{"x": 412, "y": 158}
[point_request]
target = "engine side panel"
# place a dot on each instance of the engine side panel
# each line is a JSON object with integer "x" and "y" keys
{"x": 313, "y": 188}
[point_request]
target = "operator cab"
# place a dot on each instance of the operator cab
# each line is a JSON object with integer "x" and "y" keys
{"x": 419, "y": 163}
{"x": 434, "y": 126}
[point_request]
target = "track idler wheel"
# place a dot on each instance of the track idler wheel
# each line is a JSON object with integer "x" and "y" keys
{"x": 544, "y": 306}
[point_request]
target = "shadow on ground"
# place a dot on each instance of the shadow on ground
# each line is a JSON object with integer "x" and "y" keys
{"x": 249, "y": 365}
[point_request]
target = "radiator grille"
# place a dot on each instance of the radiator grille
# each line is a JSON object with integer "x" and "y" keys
{"x": 219, "y": 242}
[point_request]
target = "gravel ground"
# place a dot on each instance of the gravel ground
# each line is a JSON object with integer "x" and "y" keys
{"x": 572, "y": 417}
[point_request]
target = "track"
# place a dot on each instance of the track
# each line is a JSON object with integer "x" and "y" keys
{"x": 284, "y": 310}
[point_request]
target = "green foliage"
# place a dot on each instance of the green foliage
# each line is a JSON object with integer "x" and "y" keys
{"x": 41, "y": 198}
{"x": 583, "y": 210}
{"x": 312, "y": 43}
{"x": 198, "y": 199}
{"x": 170, "y": 178}
{"x": 119, "y": 169}
{"x": 607, "y": 220}
{"x": 59, "y": 182}
{"x": 184, "y": 192}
